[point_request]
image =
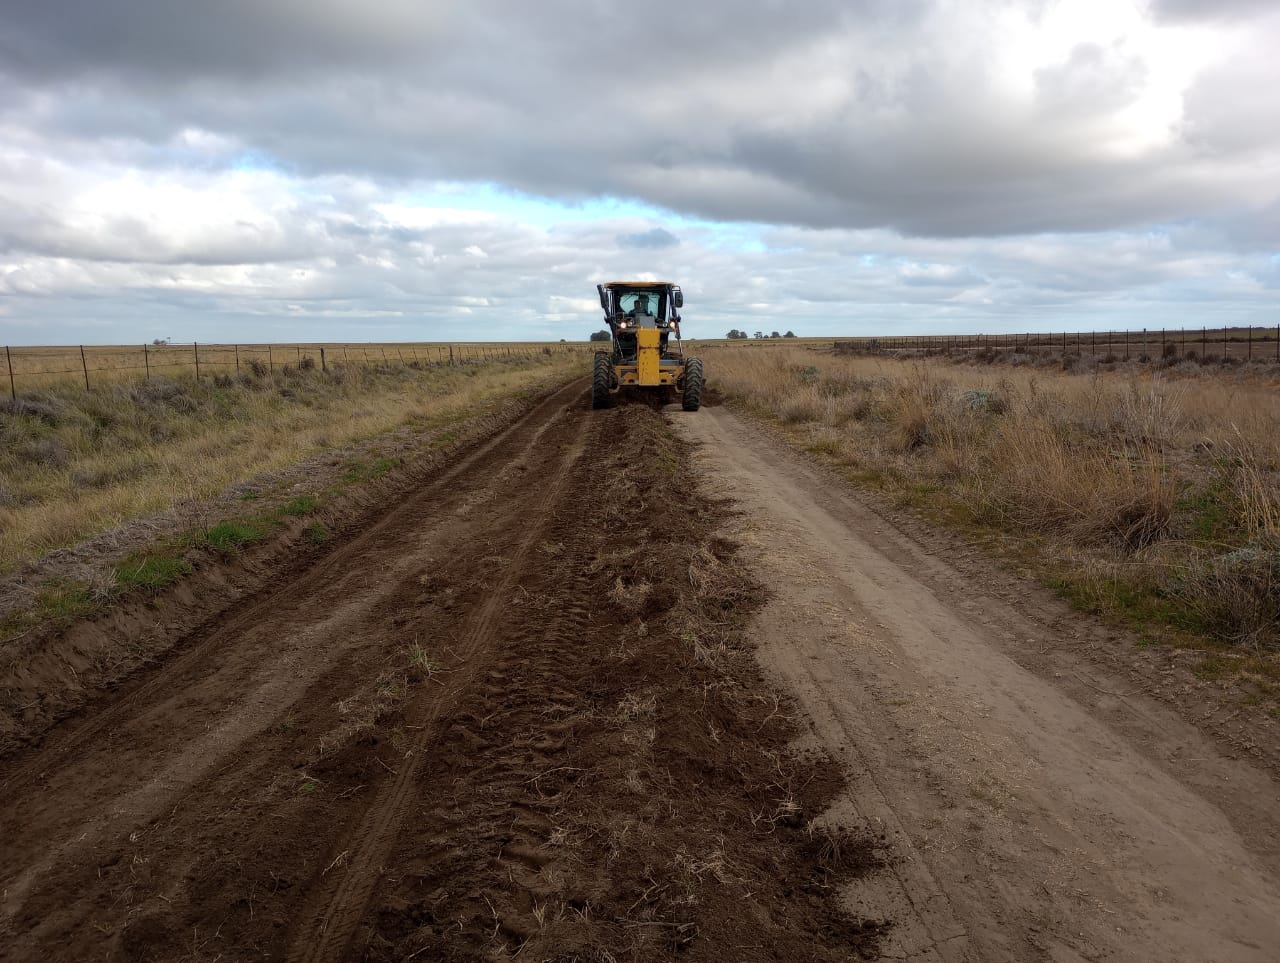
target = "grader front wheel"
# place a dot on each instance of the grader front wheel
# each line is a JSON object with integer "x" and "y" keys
{"x": 602, "y": 381}
{"x": 692, "y": 397}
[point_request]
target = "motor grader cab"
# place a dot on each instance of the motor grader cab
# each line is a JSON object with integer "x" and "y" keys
{"x": 643, "y": 317}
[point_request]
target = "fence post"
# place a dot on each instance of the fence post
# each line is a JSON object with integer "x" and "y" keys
{"x": 271, "y": 364}
{"x": 1278, "y": 342}
{"x": 1249, "y": 340}
{"x": 1204, "y": 343}
{"x": 195, "y": 347}
{"x": 299, "y": 347}
{"x": 1126, "y": 344}
{"x": 146, "y": 361}
{"x": 13, "y": 392}
{"x": 85, "y": 365}
{"x": 324, "y": 366}
{"x": 450, "y": 356}
{"x": 237, "y": 347}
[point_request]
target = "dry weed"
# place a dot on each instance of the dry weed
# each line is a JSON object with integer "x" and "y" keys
{"x": 1120, "y": 468}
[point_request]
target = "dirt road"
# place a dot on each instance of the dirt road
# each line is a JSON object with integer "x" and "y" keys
{"x": 516, "y": 715}
{"x": 1038, "y": 805}
{"x": 521, "y": 714}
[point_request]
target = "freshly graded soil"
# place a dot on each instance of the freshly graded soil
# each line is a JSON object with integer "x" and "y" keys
{"x": 516, "y": 715}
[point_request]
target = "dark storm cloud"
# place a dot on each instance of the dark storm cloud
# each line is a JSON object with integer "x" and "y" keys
{"x": 230, "y": 38}
{"x": 829, "y": 114}
{"x": 653, "y": 239}
{"x": 1191, "y": 10}
{"x": 252, "y": 155}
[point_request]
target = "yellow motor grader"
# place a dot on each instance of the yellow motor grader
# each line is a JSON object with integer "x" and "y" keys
{"x": 642, "y": 316}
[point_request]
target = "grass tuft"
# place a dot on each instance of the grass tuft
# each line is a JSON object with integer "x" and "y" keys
{"x": 151, "y": 572}
{"x": 228, "y": 538}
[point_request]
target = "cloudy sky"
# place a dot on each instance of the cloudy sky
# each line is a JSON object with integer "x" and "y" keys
{"x": 258, "y": 170}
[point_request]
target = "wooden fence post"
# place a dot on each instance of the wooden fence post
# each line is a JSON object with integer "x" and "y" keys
{"x": 13, "y": 392}
{"x": 146, "y": 361}
{"x": 450, "y": 356}
{"x": 1249, "y": 340}
{"x": 324, "y": 366}
{"x": 195, "y": 347}
{"x": 271, "y": 364}
{"x": 1204, "y": 343}
{"x": 1278, "y": 342}
{"x": 85, "y": 365}
{"x": 237, "y": 347}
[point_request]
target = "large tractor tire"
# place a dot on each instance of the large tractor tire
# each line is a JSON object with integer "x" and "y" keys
{"x": 602, "y": 381}
{"x": 692, "y": 398}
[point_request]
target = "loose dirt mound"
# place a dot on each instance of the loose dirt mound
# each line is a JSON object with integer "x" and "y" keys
{"x": 517, "y": 716}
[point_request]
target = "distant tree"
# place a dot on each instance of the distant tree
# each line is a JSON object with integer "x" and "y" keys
{"x": 789, "y": 334}
{"x": 601, "y": 336}
{"x": 759, "y": 335}
{"x": 562, "y": 340}
{"x": 161, "y": 341}
{"x": 736, "y": 335}
{"x": 775, "y": 335}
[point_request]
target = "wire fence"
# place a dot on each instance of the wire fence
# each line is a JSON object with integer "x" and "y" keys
{"x": 32, "y": 367}
{"x": 1233, "y": 344}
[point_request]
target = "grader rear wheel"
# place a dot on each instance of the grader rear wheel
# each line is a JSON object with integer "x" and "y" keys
{"x": 692, "y": 397}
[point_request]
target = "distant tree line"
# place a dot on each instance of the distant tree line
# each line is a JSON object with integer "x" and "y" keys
{"x": 736, "y": 335}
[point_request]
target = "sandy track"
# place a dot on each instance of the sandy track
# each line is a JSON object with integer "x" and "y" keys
{"x": 517, "y": 715}
{"x": 1038, "y": 807}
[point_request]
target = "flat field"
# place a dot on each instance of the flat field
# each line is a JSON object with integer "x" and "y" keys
{"x": 30, "y": 368}
{"x": 642, "y": 684}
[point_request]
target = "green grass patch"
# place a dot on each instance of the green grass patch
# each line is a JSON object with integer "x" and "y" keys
{"x": 1212, "y": 513}
{"x": 228, "y": 537}
{"x": 302, "y": 505}
{"x": 16, "y": 624}
{"x": 361, "y": 470}
{"x": 64, "y": 599}
{"x": 316, "y": 534}
{"x": 151, "y": 571}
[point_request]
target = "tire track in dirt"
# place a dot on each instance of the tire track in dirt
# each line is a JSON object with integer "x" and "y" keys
{"x": 337, "y": 909}
{"x": 59, "y": 750}
{"x": 614, "y": 784}
{"x": 539, "y": 730}
{"x": 132, "y": 782}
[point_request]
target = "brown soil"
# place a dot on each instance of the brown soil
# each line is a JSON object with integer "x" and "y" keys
{"x": 52, "y": 670}
{"x": 518, "y": 714}
{"x": 1048, "y": 790}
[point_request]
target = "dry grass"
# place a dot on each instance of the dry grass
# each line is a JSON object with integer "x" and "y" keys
{"x": 1170, "y": 484}
{"x": 34, "y": 368}
{"x": 76, "y": 462}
